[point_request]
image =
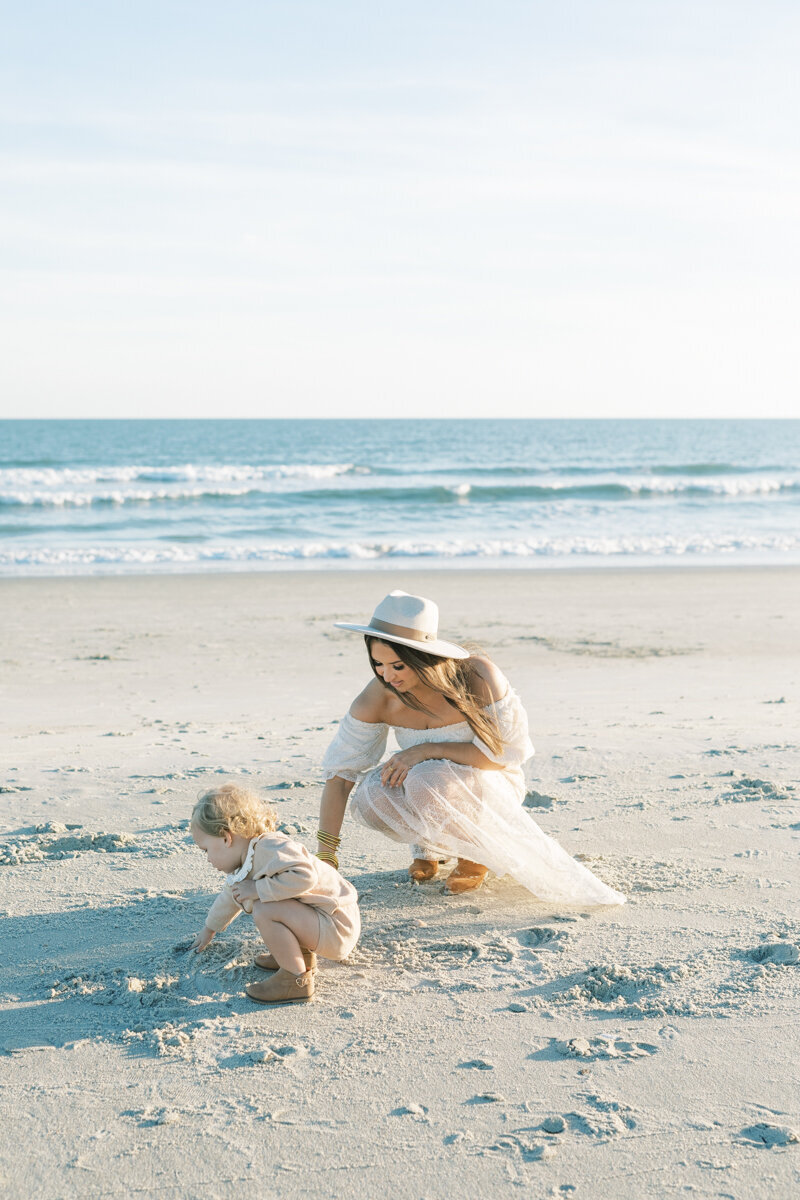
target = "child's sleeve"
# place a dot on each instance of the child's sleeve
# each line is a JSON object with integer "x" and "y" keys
{"x": 289, "y": 872}
{"x": 223, "y": 910}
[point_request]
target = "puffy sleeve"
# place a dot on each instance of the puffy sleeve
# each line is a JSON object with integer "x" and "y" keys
{"x": 357, "y": 747}
{"x": 512, "y": 722}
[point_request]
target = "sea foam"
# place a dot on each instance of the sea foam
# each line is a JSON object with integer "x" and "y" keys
{"x": 600, "y": 548}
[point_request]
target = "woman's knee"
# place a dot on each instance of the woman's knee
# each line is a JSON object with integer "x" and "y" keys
{"x": 366, "y": 815}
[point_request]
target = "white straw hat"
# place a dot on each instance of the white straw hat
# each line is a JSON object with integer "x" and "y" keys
{"x": 411, "y": 621}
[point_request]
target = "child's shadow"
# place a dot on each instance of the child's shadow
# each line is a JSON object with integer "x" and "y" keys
{"x": 120, "y": 972}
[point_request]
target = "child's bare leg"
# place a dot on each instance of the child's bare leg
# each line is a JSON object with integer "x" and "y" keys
{"x": 286, "y": 926}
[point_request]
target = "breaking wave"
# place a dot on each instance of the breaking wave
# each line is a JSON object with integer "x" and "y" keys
{"x": 370, "y": 551}
{"x": 261, "y": 487}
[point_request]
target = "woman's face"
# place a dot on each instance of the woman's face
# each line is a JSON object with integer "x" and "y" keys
{"x": 392, "y": 669}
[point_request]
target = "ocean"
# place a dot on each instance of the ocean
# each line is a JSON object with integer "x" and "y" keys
{"x": 113, "y": 497}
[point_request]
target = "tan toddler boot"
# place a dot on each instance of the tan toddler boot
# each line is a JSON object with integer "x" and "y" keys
{"x": 422, "y": 869}
{"x": 284, "y": 987}
{"x": 267, "y": 962}
{"x": 466, "y": 876}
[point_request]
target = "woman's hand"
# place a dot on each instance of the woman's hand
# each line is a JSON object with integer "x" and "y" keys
{"x": 246, "y": 890}
{"x": 203, "y": 938}
{"x": 397, "y": 767}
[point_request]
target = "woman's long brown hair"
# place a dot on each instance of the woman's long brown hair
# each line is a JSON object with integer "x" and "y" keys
{"x": 451, "y": 678}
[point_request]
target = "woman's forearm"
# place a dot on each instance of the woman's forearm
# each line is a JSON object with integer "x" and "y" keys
{"x": 333, "y": 804}
{"x": 466, "y": 753}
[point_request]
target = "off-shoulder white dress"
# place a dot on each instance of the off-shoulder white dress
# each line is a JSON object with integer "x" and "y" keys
{"x": 446, "y": 810}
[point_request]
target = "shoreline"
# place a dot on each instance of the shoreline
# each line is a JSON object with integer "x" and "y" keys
{"x": 416, "y": 568}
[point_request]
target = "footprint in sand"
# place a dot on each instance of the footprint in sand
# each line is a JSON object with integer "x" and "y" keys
{"x": 771, "y": 1135}
{"x": 418, "y": 1111}
{"x": 168, "y": 1041}
{"x": 535, "y": 799}
{"x": 604, "y": 1048}
{"x": 290, "y": 1053}
{"x": 542, "y": 938}
{"x": 746, "y": 789}
{"x": 616, "y": 985}
{"x": 521, "y": 1144}
{"x": 461, "y": 1135}
{"x": 149, "y": 1117}
{"x": 250, "y": 1058}
{"x": 476, "y": 1064}
{"x": 784, "y": 954}
{"x": 605, "y": 1118}
{"x": 462, "y": 952}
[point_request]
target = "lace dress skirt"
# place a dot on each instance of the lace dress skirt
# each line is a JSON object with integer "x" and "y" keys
{"x": 446, "y": 810}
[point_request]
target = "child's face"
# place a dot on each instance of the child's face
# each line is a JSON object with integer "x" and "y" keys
{"x": 221, "y": 852}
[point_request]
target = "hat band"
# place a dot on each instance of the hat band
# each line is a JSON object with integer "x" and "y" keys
{"x": 402, "y": 631}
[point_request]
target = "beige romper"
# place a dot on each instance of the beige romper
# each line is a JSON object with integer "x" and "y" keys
{"x": 283, "y": 869}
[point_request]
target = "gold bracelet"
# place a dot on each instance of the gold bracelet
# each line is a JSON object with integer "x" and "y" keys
{"x": 329, "y": 858}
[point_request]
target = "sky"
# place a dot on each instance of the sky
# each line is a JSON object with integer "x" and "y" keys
{"x": 336, "y": 208}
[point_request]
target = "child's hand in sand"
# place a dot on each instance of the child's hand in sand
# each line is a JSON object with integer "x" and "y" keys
{"x": 203, "y": 938}
{"x": 246, "y": 890}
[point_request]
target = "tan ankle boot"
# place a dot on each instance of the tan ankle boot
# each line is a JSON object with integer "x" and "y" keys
{"x": 466, "y": 876}
{"x": 268, "y": 962}
{"x": 284, "y": 987}
{"x": 421, "y": 870}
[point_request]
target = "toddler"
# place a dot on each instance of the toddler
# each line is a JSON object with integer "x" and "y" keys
{"x": 300, "y": 904}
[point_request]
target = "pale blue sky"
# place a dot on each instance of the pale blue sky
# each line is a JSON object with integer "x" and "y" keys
{"x": 529, "y": 209}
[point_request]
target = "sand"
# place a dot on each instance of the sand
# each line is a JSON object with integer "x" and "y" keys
{"x": 473, "y": 1046}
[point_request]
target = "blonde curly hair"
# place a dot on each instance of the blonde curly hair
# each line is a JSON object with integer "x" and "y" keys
{"x": 233, "y": 809}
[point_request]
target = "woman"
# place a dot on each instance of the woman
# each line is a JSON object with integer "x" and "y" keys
{"x": 455, "y": 787}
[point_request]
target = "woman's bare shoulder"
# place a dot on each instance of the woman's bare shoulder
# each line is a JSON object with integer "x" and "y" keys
{"x": 370, "y": 705}
{"x": 488, "y": 681}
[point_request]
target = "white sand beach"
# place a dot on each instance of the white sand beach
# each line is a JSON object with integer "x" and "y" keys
{"x": 473, "y": 1046}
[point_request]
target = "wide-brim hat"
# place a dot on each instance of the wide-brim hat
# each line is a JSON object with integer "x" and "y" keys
{"x": 411, "y": 621}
